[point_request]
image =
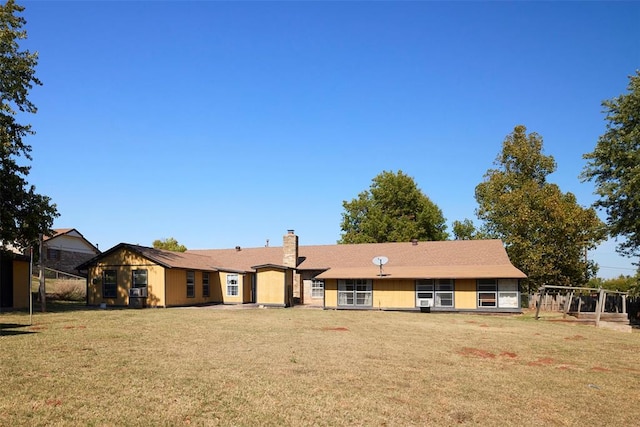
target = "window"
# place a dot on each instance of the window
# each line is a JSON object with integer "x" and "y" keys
{"x": 139, "y": 278}
{"x": 191, "y": 284}
{"x": 424, "y": 293}
{"x": 444, "y": 293}
{"x": 317, "y": 288}
{"x": 355, "y": 292}
{"x": 508, "y": 293}
{"x": 53, "y": 254}
{"x": 232, "y": 285}
{"x": 109, "y": 283}
{"x": 487, "y": 293}
{"x": 205, "y": 285}
{"x": 434, "y": 292}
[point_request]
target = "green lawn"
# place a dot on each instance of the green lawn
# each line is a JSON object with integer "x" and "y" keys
{"x": 312, "y": 367}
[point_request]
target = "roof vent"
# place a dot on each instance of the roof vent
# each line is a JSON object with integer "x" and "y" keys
{"x": 414, "y": 242}
{"x": 238, "y": 248}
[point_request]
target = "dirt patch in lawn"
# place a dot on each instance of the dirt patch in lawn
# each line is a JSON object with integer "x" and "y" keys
{"x": 476, "y": 352}
{"x": 508, "y": 354}
{"x": 575, "y": 338}
{"x": 543, "y": 361}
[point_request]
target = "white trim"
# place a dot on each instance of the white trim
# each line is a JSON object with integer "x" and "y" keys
{"x": 317, "y": 288}
{"x": 355, "y": 292}
{"x": 231, "y": 285}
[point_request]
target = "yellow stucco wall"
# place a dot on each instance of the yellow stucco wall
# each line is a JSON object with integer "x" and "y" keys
{"x": 388, "y": 293}
{"x": 21, "y": 284}
{"x": 216, "y": 290}
{"x": 394, "y": 294}
{"x": 271, "y": 286}
{"x": 124, "y": 262}
{"x": 465, "y": 294}
{"x": 331, "y": 293}
{"x": 166, "y": 286}
{"x": 176, "y": 287}
{"x": 231, "y": 299}
{"x": 176, "y": 280}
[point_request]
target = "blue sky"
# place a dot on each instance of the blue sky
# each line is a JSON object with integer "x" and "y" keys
{"x": 227, "y": 123}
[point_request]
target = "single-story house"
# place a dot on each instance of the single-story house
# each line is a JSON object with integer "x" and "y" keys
{"x": 15, "y": 282}
{"x": 133, "y": 275}
{"x": 458, "y": 275}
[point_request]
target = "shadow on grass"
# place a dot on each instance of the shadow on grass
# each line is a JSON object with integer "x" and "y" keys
{"x": 8, "y": 329}
{"x": 57, "y": 306}
{"x": 62, "y": 306}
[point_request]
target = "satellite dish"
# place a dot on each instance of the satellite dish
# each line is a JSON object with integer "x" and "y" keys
{"x": 380, "y": 260}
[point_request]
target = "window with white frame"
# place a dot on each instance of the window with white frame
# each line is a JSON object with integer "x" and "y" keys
{"x": 444, "y": 293}
{"x": 317, "y": 288}
{"x": 205, "y": 285}
{"x": 355, "y": 292}
{"x": 109, "y": 283}
{"x": 191, "y": 284}
{"x": 487, "y": 293}
{"x": 424, "y": 293}
{"x": 232, "y": 285}
{"x": 508, "y": 293}
{"x": 139, "y": 278}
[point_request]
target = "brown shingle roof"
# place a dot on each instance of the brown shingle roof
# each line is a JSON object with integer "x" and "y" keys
{"x": 57, "y": 232}
{"x": 168, "y": 259}
{"x": 243, "y": 259}
{"x": 441, "y": 253}
{"x": 443, "y": 259}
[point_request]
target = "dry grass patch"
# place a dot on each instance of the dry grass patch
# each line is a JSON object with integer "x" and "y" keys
{"x": 312, "y": 367}
{"x": 62, "y": 289}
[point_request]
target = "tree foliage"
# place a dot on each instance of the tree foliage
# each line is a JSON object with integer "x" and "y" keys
{"x": 614, "y": 165}
{"x": 546, "y": 232}
{"x": 23, "y": 212}
{"x": 169, "y": 244}
{"x": 466, "y": 230}
{"x": 621, "y": 283}
{"x": 394, "y": 209}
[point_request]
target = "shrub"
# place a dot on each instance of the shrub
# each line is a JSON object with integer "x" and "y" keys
{"x": 67, "y": 290}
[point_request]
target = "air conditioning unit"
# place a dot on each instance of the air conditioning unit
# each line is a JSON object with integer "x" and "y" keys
{"x": 138, "y": 292}
{"x": 426, "y": 302}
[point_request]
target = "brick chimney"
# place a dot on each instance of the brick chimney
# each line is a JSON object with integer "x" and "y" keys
{"x": 290, "y": 249}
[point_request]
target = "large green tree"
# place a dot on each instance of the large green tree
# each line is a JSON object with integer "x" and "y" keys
{"x": 614, "y": 165}
{"x": 23, "y": 212}
{"x": 466, "y": 230}
{"x": 546, "y": 232}
{"x": 394, "y": 209}
{"x": 169, "y": 244}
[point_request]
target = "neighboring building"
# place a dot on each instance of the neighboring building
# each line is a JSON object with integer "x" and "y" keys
{"x": 14, "y": 280}
{"x": 66, "y": 249}
{"x": 460, "y": 275}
